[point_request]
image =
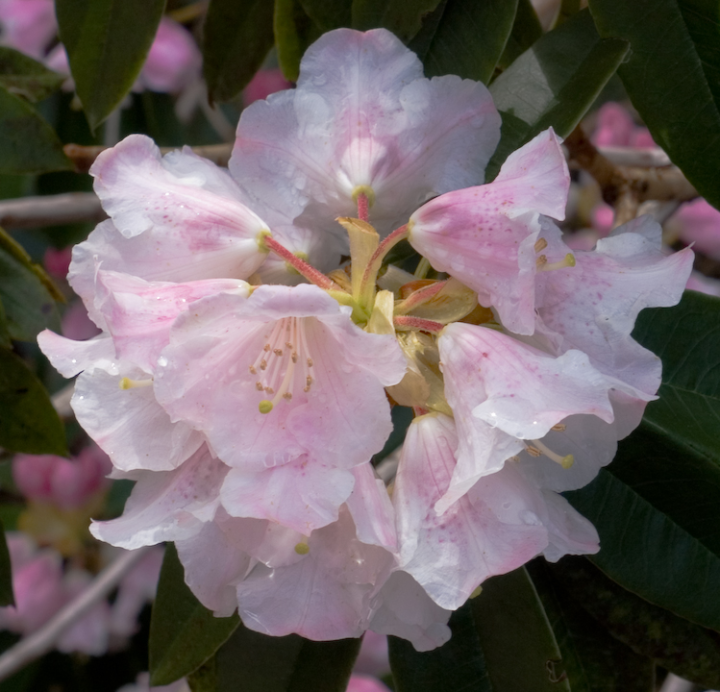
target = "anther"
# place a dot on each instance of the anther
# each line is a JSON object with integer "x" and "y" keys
{"x": 288, "y": 345}
{"x": 566, "y": 462}
{"x": 309, "y": 362}
{"x": 252, "y": 369}
{"x": 263, "y": 364}
{"x": 294, "y": 357}
{"x": 266, "y": 347}
{"x": 278, "y": 352}
{"x": 560, "y": 427}
{"x": 259, "y": 386}
{"x": 533, "y": 452}
{"x": 543, "y": 265}
{"x": 287, "y": 395}
{"x": 540, "y": 245}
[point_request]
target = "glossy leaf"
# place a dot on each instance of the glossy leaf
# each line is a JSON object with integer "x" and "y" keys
{"x": 23, "y": 76}
{"x": 28, "y": 421}
{"x": 457, "y": 665}
{"x": 470, "y": 38}
{"x": 593, "y": 660}
{"x": 686, "y": 337}
{"x": 28, "y": 305}
{"x": 6, "y": 588}
{"x": 4, "y": 329}
{"x": 294, "y": 32}
{"x": 283, "y": 664}
{"x": 329, "y": 14}
{"x": 107, "y": 42}
{"x": 28, "y": 144}
{"x": 402, "y": 17}
{"x": 673, "y": 77}
{"x": 183, "y": 633}
{"x": 519, "y": 646}
{"x": 682, "y": 647}
{"x": 238, "y": 35}
{"x": 526, "y": 30}
{"x": 553, "y": 84}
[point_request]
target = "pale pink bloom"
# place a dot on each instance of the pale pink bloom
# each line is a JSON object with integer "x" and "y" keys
{"x": 364, "y": 683}
{"x": 353, "y": 124}
{"x": 500, "y": 523}
{"x": 603, "y": 216}
{"x": 486, "y": 236}
{"x": 264, "y": 83}
{"x": 699, "y": 224}
{"x": 174, "y": 60}
{"x": 27, "y": 25}
{"x": 64, "y": 483}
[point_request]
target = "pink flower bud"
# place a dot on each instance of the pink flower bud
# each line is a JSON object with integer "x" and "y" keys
{"x": 264, "y": 83}
{"x": 57, "y": 262}
{"x": 33, "y": 474}
{"x": 174, "y": 59}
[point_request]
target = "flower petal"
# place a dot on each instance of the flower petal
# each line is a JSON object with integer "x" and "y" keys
{"x": 371, "y": 509}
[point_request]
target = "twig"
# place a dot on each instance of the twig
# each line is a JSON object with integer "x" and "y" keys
{"x": 42, "y": 641}
{"x": 630, "y": 156}
{"x": 83, "y": 157}
{"x": 50, "y": 210}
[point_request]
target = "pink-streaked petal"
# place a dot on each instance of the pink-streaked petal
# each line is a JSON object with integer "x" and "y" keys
{"x": 139, "y": 314}
{"x": 174, "y": 59}
{"x": 303, "y": 494}
{"x": 322, "y": 597}
{"x": 515, "y": 387}
{"x": 357, "y": 116}
{"x": 343, "y": 418}
{"x": 129, "y": 424}
{"x": 402, "y": 608}
{"x": 72, "y": 357}
{"x": 569, "y": 532}
{"x": 593, "y": 306}
{"x": 371, "y": 509}
{"x": 492, "y": 530}
{"x": 166, "y": 506}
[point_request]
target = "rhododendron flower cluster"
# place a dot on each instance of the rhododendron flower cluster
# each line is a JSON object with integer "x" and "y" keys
{"x": 244, "y": 375}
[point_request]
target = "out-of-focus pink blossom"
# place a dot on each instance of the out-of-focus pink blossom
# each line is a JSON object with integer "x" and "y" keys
{"x": 173, "y": 62}
{"x": 65, "y": 483}
{"x": 373, "y": 657}
{"x": 264, "y": 83}
{"x": 57, "y": 262}
{"x": 27, "y": 25}
{"x": 76, "y": 323}
{"x": 616, "y": 128}
{"x": 364, "y": 683}
{"x": 699, "y": 223}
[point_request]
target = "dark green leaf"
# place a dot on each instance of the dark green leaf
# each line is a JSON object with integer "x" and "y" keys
{"x": 29, "y": 307}
{"x": 107, "y": 42}
{"x": 204, "y": 679}
{"x": 294, "y": 32}
{"x": 401, "y": 417}
{"x": 674, "y": 643}
{"x": 284, "y": 664}
{"x": 457, "y": 665}
{"x": 22, "y": 75}
{"x": 4, "y": 329}
{"x": 672, "y": 76}
{"x": 329, "y": 14}
{"x": 525, "y": 31}
{"x": 657, "y": 509}
{"x": 183, "y": 633}
{"x": 403, "y": 17}
{"x": 470, "y": 38}
{"x": 593, "y": 660}
{"x": 6, "y": 588}
{"x": 686, "y": 337}
{"x": 28, "y": 144}
{"x": 553, "y": 84}
{"x": 516, "y": 638}
{"x": 238, "y": 36}
{"x": 420, "y": 43}
{"x": 28, "y": 421}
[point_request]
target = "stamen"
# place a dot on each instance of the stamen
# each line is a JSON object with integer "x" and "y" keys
{"x": 533, "y": 452}
{"x": 540, "y": 245}
{"x": 543, "y": 265}
{"x": 560, "y": 427}
{"x": 127, "y": 383}
{"x": 566, "y": 462}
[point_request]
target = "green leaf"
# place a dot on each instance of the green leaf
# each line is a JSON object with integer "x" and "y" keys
{"x": 238, "y": 36}
{"x": 183, "y": 633}
{"x": 329, "y": 14}
{"x": 28, "y": 144}
{"x": 403, "y": 17}
{"x": 107, "y": 42}
{"x": 470, "y": 38}
{"x": 7, "y": 597}
{"x": 294, "y": 32}
{"x": 28, "y": 421}
{"x": 686, "y": 338}
{"x": 525, "y": 31}
{"x": 4, "y": 329}
{"x": 283, "y": 664}
{"x": 593, "y": 660}
{"x": 674, "y": 643}
{"x": 23, "y": 76}
{"x": 553, "y": 84}
{"x": 672, "y": 77}
{"x": 457, "y": 665}
{"x": 29, "y": 307}
{"x": 519, "y": 646}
